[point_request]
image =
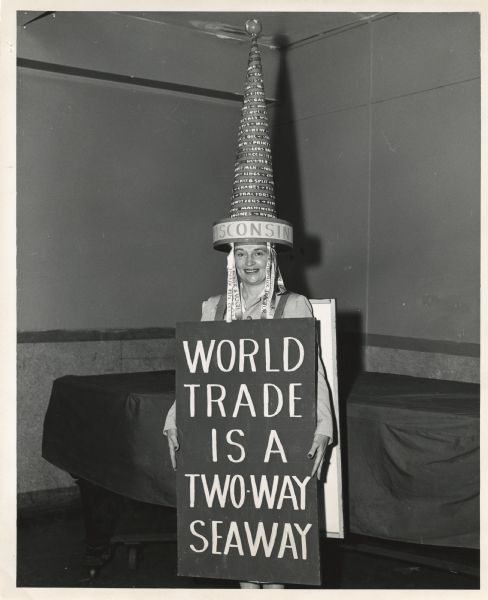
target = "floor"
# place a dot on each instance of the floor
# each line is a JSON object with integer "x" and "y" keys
{"x": 51, "y": 547}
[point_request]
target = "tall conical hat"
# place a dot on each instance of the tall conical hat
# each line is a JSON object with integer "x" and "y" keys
{"x": 252, "y": 216}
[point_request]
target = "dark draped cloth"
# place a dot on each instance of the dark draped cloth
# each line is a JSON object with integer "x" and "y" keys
{"x": 411, "y": 447}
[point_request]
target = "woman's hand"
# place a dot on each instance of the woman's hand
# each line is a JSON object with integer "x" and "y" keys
{"x": 173, "y": 444}
{"x": 318, "y": 448}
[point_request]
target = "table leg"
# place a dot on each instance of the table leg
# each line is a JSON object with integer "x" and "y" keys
{"x": 101, "y": 510}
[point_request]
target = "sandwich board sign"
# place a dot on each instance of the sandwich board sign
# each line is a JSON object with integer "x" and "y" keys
{"x": 245, "y": 402}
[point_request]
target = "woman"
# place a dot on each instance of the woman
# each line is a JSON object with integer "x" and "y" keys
{"x": 252, "y": 264}
{"x": 251, "y": 234}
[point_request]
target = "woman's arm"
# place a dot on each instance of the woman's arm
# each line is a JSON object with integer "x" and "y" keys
{"x": 170, "y": 430}
{"x": 299, "y": 307}
{"x": 171, "y": 433}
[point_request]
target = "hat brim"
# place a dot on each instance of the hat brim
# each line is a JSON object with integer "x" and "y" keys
{"x": 252, "y": 230}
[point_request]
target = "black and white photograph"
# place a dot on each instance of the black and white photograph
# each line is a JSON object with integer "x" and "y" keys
{"x": 243, "y": 249}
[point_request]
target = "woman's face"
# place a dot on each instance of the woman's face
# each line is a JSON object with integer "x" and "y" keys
{"x": 251, "y": 263}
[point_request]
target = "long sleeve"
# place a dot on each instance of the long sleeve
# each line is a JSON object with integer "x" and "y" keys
{"x": 170, "y": 422}
{"x": 208, "y": 313}
{"x": 299, "y": 306}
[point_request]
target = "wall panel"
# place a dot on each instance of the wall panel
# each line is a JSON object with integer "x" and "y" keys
{"x": 326, "y": 197}
{"x": 420, "y": 51}
{"x": 118, "y": 187}
{"x": 424, "y": 258}
{"x": 329, "y": 74}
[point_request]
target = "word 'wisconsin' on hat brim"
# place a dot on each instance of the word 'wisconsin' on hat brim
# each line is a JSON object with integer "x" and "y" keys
{"x": 252, "y": 230}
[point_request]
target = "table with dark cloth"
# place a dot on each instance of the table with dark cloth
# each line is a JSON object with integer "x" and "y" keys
{"x": 413, "y": 459}
{"x": 108, "y": 430}
{"x": 411, "y": 446}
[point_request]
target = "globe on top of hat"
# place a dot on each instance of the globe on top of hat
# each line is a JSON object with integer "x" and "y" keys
{"x": 253, "y": 27}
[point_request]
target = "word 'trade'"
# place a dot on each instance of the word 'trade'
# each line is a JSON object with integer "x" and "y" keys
{"x": 270, "y": 400}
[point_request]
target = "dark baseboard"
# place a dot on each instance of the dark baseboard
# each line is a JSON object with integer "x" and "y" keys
{"x": 94, "y": 335}
{"x": 422, "y": 345}
{"x": 465, "y": 561}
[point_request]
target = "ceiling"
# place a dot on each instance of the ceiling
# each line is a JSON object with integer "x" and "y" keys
{"x": 280, "y": 29}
